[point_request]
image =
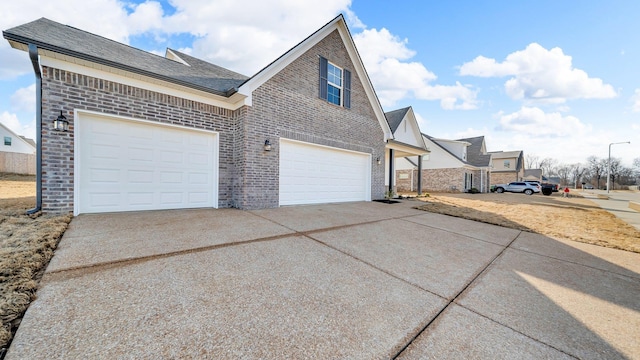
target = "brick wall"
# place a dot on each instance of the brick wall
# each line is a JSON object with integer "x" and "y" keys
{"x": 410, "y": 181}
{"x": 66, "y": 91}
{"x": 443, "y": 180}
{"x": 285, "y": 106}
{"x": 503, "y": 177}
{"x": 288, "y": 106}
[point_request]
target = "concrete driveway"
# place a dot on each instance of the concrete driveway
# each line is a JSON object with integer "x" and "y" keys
{"x": 356, "y": 280}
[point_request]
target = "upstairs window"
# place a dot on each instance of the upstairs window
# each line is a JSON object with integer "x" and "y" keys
{"x": 335, "y": 84}
{"x": 7, "y": 140}
{"x": 507, "y": 164}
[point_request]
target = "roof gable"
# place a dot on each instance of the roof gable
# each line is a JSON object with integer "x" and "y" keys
{"x": 404, "y": 126}
{"x": 26, "y": 142}
{"x": 476, "y": 152}
{"x": 431, "y": 140}
{"x": 337, "y": 24}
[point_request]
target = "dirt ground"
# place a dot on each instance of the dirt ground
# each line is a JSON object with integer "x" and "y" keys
{"x": 574, "y": 218}
{"x": 26, "y": 246}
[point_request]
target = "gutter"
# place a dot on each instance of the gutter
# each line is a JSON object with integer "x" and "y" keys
{"x": 33, "y": 54}
{"x": 113, "y": 64}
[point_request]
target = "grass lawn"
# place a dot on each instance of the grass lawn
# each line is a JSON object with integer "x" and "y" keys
{"x": 574, "y": 218}
{"x": 26, "y": 246}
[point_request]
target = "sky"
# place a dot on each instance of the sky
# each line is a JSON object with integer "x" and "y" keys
{"x": 557, "y": 79}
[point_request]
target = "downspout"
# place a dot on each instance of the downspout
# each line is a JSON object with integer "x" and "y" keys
{"x": 33, "y": 54}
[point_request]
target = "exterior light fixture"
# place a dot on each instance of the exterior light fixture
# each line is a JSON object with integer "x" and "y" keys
{"x": 61, "y": 123}
{"x": 379, "y": 161}
{"x": 267, "y": 145}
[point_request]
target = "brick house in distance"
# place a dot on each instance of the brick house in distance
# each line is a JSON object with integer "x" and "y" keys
{"x": 508, "y": 166}
{"x": 451, "y": 166}
{"x": 147, "y": 132}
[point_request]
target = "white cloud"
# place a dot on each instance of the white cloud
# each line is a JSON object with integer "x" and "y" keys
{"x": 635, "y": 100}
{"x": 386, "y": 56}
{"x": 24, "y": 99}
{"x": 116, "y": 22}
{"x": 12, "y": 122}
{"x": 247, "y": 40}
{"x": 540, "y": 75}
{"x": 534, "y": 122}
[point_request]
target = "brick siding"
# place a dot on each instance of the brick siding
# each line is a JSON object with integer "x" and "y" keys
{"x": 288, "y": 106}
{"x": 66, "y": 91}
{"x": 285, "y": 106}
{"x": 503, "y": 177}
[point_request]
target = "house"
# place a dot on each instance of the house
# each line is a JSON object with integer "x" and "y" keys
{"x": 14, "y": 143}
{"x": 508, "y": 166}
{"x": 405, "y": 129}
{"x": 147, "y": 132}
{"x": 452, "y": 165}
{"x": 17, "y": 153}
{"x": 533, "y": 175}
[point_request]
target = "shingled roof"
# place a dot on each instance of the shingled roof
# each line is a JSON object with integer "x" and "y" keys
{"x": 475, "y": 156}
{"x": 66, "y": 40}
{"x": 394, "y": 118}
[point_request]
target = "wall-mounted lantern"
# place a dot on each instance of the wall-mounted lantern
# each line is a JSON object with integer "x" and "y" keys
{"x": 61, "y": 123}
{"x": 267, "y": 145}
{"x": 379, "y": 161}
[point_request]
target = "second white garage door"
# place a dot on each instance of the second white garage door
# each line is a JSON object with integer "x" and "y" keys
{"x": 124, "y": 165}
{"x": 314, "y": 174}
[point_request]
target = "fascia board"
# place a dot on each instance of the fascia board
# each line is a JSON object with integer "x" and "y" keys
{"x": 279, "y": 64}
{"x": 63, "y": 62}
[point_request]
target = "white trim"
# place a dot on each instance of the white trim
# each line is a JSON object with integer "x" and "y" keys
{"x": 80, "y": 67}
{"x": 175, "y": 57}
{"x": 279, "y": 64}
{"x": 324, "y": 146}
{"x": 339, "y": 87}
{"x": 79, "y": 113}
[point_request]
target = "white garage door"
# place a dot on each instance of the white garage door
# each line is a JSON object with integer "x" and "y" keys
{"x": 313, "y": 174}
{"x": 124, "y": 165}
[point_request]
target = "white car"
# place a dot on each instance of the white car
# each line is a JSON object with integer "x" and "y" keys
{"x": 518, "y": 187}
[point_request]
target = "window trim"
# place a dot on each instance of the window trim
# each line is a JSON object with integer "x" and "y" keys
{"x": 345, "y": 88}
{"x": 339, "y": 87}
{"x": 7, "y": 140}
{"x": 506, "y": 164}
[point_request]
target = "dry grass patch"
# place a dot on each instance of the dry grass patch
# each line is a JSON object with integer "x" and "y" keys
{"x": 574, "y": 219}
{"x": 26, "y": 246}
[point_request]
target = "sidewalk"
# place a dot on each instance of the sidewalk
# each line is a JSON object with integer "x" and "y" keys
{"x": 617, "y": 204}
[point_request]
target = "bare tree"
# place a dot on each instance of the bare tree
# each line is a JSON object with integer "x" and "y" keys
{"x": 564, "y": 172}
{"x": 532, "y": 161}
{"x": 548, "y": 166}
{"x": 615, "y": 167}
{"x": 597, "y": 167}
{"x": 576, "y": 171}
{"x": 626, "y": 176}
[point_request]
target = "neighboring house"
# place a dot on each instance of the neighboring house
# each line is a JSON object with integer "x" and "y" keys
{"x": 533, "y": 175}
{"x": 17, "y": 153}
{"x": 508, "y": 166}
{"x": 14, "y": 143}
{"x": 404, "y": 125}
{"x": 452, "y": 166}
{"x": 150, "y": 132}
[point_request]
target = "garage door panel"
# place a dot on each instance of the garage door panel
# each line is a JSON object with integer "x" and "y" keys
{"x": 147, "y": 166}
{"x": 312, "y": 174}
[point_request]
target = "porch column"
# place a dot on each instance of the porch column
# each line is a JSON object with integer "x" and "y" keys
{"x": 419, "y": 174}
{"x": 391, "y": 171}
